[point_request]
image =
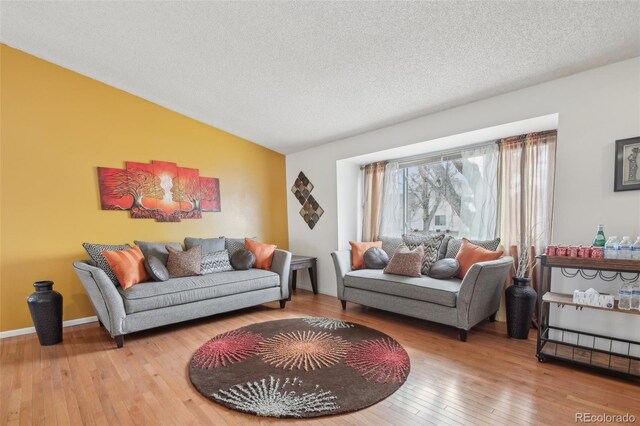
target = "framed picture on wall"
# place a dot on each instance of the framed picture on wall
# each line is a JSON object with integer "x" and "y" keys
{"x": 627, "y": 173}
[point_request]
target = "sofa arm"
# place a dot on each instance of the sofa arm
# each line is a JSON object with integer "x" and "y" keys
{"x": 103, "y": 295}
{"x": 342, "y": 263}
{"x": 481, "y": 290}
{"x": 281, "y": 265}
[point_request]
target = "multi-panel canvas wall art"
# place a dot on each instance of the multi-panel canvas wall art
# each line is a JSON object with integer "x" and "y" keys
{"x": 160, "y": 190}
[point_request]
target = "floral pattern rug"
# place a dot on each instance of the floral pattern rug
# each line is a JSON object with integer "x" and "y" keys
{"x": 302, "y": 367}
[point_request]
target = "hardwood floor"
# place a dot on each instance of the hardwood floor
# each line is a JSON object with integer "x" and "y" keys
{"x": 489, "y": 380}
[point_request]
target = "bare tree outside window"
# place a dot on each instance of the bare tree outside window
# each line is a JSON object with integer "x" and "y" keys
{"x": 438, "y": 190}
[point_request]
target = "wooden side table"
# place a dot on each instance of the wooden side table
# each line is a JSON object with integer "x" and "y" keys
{"x": 303, "y": 262}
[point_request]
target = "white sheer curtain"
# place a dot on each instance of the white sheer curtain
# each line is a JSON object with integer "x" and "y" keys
{"x": 479, "y": 199}
{"x": 392, "y": 222}
{"x": 527, "y": 177}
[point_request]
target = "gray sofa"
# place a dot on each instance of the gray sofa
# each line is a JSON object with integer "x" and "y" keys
{"x": 153, "y": 304}
{"x": 458, "y": 303}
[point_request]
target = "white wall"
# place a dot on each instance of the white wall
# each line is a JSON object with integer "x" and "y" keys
{"x": 594, "y": 109}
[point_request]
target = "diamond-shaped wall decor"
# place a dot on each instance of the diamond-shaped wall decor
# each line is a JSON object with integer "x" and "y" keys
{"x": 311, "y": 210}
{"x": 302, "y": 188}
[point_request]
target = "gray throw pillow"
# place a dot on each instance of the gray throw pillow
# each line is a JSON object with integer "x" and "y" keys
{"x": 375, "y": 258}
{"x": 95, "y": 253}
{"x": 444, "y": 269}
{"x": 390, "y": 244}
{"x": 184, "y": 263}
{"x": 455, "y": 243}
{"x": 156, "y": 269}
{"x": 209, "y": 245}
{"x": 431, "y": 244}
{"x": 406, "y": 262}
{"x": 158, "y": 250}
{"x": 215, "y": 262}
{"x": 243, "y": 260}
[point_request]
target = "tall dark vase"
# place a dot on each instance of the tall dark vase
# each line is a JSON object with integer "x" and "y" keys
{"x": 520, "y": 303}
{"x": 45, "y": 306}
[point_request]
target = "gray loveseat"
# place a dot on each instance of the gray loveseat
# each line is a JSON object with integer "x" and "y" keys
{"x": 459, "y": 303}
{"x": 153, "y": 304}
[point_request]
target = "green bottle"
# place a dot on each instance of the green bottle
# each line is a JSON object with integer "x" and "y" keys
{"x": 599, "y": 240}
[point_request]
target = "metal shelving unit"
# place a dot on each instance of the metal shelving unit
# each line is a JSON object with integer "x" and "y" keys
{"x": 605, "y": 353}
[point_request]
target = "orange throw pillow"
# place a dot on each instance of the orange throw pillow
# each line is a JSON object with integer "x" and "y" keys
{"x": 357, "y": 252}
{"x": 128, "y": 265}
{"x": 263, "y": 253}
{"x": 471, "y": 254}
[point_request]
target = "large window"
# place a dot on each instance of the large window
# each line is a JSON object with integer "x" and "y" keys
{"x": 454, "y": 193}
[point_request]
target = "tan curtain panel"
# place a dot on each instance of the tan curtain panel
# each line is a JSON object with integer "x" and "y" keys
{"x": 526, "y": 179}
{"x": 372, "y": 200}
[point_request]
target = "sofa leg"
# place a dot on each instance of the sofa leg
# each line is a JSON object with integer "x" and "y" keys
{"x": 283, "y": 302}
{"x": 119, "y": 341}
{"x": 492, "y": 318}
{"x": 344, "y": 304}
{"x": 463, "y": 335}
{"x": 101, "y": 324}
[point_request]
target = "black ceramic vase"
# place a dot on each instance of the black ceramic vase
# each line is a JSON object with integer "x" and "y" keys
{"x": 45, "y": 306}
{"x": 520, "y": 303}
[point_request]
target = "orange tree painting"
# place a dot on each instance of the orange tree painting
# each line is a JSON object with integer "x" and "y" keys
{"x": 159, "y": 190}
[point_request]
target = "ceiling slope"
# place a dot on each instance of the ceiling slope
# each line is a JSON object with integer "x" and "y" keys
{"x": 290, "y": 75}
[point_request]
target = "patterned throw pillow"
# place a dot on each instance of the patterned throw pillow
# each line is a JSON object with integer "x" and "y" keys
{"x": 232, "y": 245}
{"x": 390, "y": 244}
{"x": 95, "y": 253}
{"x": 406, "y": 262}
{"x": 215, "y": 262}
{"x": 184, "y": 263}
{"x": 454, "y": 246}
{"x": 431, "y": 244}
{"x": 128, "y": 265}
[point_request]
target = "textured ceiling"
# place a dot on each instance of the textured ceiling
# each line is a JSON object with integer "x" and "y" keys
{"x": 289, "y": 75}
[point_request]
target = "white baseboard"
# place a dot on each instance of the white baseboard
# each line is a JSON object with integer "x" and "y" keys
{"x": 29, "y": 330}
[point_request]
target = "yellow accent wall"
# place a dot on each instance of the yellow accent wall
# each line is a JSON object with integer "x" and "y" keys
{"x": 56, "y": 128}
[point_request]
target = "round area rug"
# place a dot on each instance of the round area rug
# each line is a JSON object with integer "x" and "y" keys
{"x": 302, "y": 367}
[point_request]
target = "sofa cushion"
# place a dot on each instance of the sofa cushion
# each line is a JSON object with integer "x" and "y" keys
{"x": 156, "y": 269}
{"x": 442, "y": 252}
{"x": 262, "y": 251}
{"x": 406, "y": 261}
{"x": 209, "y": 245}
{"x": 184, "y": 263}
{"x": 426, "y": 289}
{"x": 455, "y": 243}
{"x": 158, "y": 250}
{"x": 431, "y": 244}
{"x": 243, "y": 260}
{"x": 470, "y": 254}
{"x": 444, "y": 269}
{"x": 375, "y": 258}
{"x": 232, "y": 245}
{"x": 128, "y": 265}
{"x": 178, "y": 291}
{"x": 390, "y": 244}
{"x": 95, "y": 252}
{"x": 357, "y": 252}
{"x": 215, "y": 262}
